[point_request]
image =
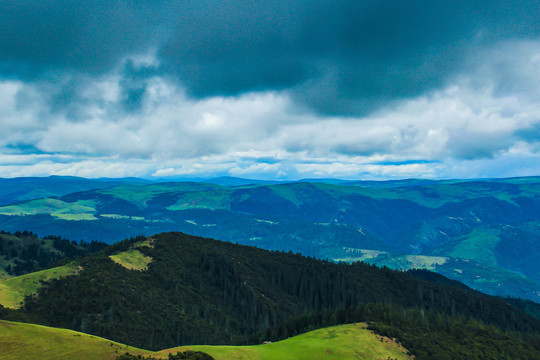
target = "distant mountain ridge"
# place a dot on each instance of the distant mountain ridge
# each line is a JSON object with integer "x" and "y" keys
{"x": 483, "y": 232}
{"x": 27, "y": 188}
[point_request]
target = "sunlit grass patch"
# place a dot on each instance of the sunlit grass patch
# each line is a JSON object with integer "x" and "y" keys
{"x": 132, "y": 259}
{"x": 13, "y": 290}
{"x": 352, "y": 341}
{"x": 20, "y": 341}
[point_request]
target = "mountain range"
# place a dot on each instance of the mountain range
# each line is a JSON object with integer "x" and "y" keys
{"x": 484, "y": 233}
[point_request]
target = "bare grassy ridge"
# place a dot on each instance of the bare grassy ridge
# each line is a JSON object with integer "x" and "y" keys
{"x": 20, "y": 341}
{"x": 26, "y": 341}
{"x": 352, "y": 341}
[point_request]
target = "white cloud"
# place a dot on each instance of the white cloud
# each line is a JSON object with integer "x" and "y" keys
{"x": 471, "y": 128}
{"x": 261, "y": 169}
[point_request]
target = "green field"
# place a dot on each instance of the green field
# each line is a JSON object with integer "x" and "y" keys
{"x": 20, "y": 341}
{"x": 407, "y": 262}
{"x": 13, "y": 290}
{"x": 346, "y": 254}
{"x": 79, "y": 210}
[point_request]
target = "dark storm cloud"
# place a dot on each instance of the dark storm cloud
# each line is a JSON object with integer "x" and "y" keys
{"x": 530, "y": 134}
{"x": 337, "y": 57}
{"x": 134, "y": 84}
{"x": 42, "y": 37}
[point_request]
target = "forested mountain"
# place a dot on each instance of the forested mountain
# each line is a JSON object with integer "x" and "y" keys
{"x": 483, "y": 233}
{"x": 173, "y": 289}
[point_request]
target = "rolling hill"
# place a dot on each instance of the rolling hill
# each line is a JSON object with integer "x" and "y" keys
{"x": 20, "y": 341}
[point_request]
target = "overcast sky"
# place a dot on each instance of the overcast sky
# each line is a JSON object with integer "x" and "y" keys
{"x": 360, "y": 89}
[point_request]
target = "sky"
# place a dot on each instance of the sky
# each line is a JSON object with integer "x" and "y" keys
{"x": 274, "y": 89}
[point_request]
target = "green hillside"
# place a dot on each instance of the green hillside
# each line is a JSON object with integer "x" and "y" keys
{"x": 132, "y": 258}
{"x": 352, "y": 341}
{"x": 144, "y": 194}
{"x": 14, "y": 290}
{"x": 20, "y": 341}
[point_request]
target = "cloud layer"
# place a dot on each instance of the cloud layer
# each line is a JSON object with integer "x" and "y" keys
{"x": 282, "y": 89}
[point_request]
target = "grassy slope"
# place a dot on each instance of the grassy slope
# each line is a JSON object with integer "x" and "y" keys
{"x": 407, "y": 262}
{"x": 13, "y": 290}
{"x": 132, "y": 258}
{"x": 27, "y": 341}
{"x": 352, "y": 341}
{"x": 20, "y": 341}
